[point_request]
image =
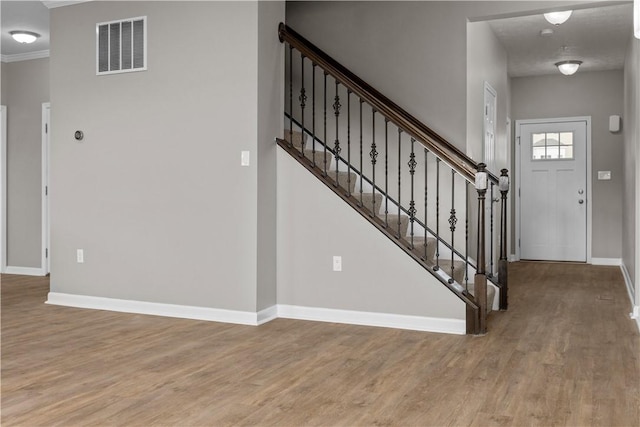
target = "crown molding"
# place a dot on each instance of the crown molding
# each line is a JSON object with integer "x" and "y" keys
{"x": 25, "y": 56}
{"x": 51, "y": 4}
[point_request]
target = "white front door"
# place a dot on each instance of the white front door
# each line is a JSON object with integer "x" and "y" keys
{"x": 553, "y": 190}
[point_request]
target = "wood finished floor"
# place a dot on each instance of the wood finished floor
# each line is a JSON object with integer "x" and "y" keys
{"x": 565, "y": 353}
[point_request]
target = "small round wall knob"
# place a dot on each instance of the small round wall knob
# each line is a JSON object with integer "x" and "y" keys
{"x": 78, "y": 135}
{"x": 581, "y": 201}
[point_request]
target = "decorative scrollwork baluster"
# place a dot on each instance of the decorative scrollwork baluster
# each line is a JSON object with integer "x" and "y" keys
{"x": 452, "y": 221}
{"x": 373, "y": 154}
{"x": 386, "y": 172}
{"x": 361, "y": 163}
{"x": 336, "y": 145}
{"x": 412, "y": 204}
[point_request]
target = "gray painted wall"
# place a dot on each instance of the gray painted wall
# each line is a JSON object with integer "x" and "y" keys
{"x": 270, "y": 108}
{"x": 599, "y": 95}
{"x": 25, "y": 86}
{"x": 486, "y": 62}
{"x": 314, "y": 225}
{"x": 155, "y": 193}
{"x": 631, "y": 130}
{"x": 413, "y": 52}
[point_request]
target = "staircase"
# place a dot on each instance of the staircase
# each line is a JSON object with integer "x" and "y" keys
{"x": 407, "y": 181}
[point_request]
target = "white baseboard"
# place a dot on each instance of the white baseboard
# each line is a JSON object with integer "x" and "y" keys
{"x": 513, "y": 258}
{"x": 397, "y": 321}
{"x": 25, "y": 271}
{"x": 385, "y": 320}
{"x": 267, "y": 315}
{"x": 606, "y": 261}
{"x": 159, "y": 309}
{"x": 635, "y": 315}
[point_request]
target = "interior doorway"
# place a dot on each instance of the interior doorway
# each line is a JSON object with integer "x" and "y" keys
{"x": 3, "y": 188}
{"x": 46, "y": 127}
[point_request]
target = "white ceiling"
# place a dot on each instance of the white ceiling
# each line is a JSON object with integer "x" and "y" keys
{"x": 596, "y": 36}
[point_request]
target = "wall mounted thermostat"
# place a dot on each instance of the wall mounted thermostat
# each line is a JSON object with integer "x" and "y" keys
{"x": 79, "y": 135}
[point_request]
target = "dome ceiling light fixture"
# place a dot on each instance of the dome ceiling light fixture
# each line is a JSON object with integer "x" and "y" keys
{"x": 557, "y": 18}
{"x": 568, "y": 68}
{"x": 24, "y": 36}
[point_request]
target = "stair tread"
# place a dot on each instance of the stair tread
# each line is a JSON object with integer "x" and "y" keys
{"x": 296, "y": 137}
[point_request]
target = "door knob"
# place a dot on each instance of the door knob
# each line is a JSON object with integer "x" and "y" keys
{"x": 581, "y": 201}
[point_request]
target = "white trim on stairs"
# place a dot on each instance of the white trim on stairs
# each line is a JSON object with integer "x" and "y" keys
{"x": 385, "y": 320}
{"x": 606, "y": 261}
{"x": 25, "y": 271}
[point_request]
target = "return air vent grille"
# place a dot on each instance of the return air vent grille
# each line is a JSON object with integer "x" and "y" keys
{"x": 121, "y": 46}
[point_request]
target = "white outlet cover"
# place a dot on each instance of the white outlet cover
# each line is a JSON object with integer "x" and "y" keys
{"x": 80, "y": 256}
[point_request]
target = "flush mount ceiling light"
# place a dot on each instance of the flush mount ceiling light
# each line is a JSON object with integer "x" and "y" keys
{"x": 24, "y": 36}
{"x": 557, "y": 18}
{"x": 568, "y": 68}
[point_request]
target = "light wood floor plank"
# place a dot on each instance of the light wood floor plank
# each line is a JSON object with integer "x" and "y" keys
{"x": 565, "y": 354}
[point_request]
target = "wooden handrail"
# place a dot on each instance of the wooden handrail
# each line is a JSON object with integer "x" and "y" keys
{"x": 435, "y": 143}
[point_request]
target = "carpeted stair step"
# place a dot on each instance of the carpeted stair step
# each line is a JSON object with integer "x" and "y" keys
{"x": 295, "y": 137}
{"x": 419, "y": 246}
{"x": 319, "y": 157}
{"x": 458, "y": 269}
{"x": 367, "y": 201}
{"x": 343, "y": 179}
{"x": 392, "y": 221}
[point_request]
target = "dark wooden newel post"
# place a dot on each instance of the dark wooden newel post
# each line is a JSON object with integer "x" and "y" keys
{"x": 503, "y": 264}
{"x": 480, "y": 279}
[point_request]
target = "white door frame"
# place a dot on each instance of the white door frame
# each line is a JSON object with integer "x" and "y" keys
{"x": 46, "y": 114}
{"x": 3, "y": 188}
{"x": 519, "y": 123}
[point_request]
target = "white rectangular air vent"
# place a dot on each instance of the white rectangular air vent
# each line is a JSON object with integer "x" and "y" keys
{"x": 121, "y": 46}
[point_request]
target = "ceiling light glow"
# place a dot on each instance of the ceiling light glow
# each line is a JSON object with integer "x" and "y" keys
{"x": 24, "y": 36}
{"x": 557, "y": 18}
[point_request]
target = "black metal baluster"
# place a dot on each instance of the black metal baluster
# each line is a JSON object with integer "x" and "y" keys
{"x": 386, "y": 172}
{"x": 336, "y": 146}
{"x": 452, "y": 220}
{"x": 426, "y": 170}
{"x": 290, "y": 96}
{"x": 349, "y": 142}
{"x": 466, "y": 235}
{"x": 313, "y": 113}
{"x": 491, "y": 231}
{"x": 437, "y": 267}
{"x": 324, "y": 134}
{"x": 361, "y": 164}
{"x": 374, "y": 155}
{"x": 399, "y": 180}
{"x": 412, "y": 204}
{"x": 303, "y": 100}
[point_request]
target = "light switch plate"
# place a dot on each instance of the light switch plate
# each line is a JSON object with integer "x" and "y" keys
{"x": 604, "y": 175}
{"x": 244, "y": 158}
{"x": 337, "y": 263}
